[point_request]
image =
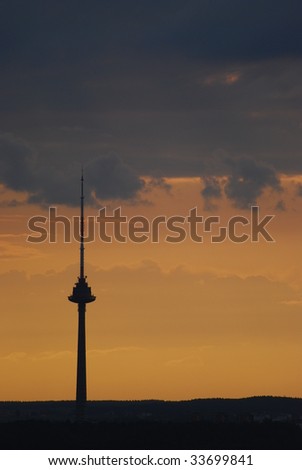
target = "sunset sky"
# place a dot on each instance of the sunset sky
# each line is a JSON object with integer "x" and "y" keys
{"x": 168, "y": 106}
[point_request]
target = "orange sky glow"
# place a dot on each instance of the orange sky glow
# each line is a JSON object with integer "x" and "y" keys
{"x": 171, "y": 321}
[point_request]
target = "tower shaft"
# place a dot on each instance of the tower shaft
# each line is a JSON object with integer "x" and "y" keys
{"x": 81, "y": 391}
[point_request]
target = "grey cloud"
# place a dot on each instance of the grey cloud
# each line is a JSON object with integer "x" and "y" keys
{"x": 212, "y": 190}
{"x": 151, "y": 81}
{"x": 163, "y": 119}
{"x": 20, "y": 170}
{"x": 16, "y": 163}
{"x": 159, "y": 183}
{"x": 248, "y": 180}
{"x": 57, "y": 186}
{"x": 111, "y": 178}
{"x": 108, "y": 177}
{"x": 66, "y": 31}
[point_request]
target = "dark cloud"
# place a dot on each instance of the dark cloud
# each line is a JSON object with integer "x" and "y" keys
{"x": 158, "y": 183}
{"x": 247, "y": 181}
{"x": 64, "y": 32}
{"x": 108, "y": 177}
{"x": 111, "y": 178}
{"x": 244, "y": 30}
{"x": 56, "y": 186}
{"x": 212, "y": 190}
{"x": 165, "y": 119}
{"x": 16, "y": 163}
{"x": 164, "y": 83}
{"x": 45, "y": 183}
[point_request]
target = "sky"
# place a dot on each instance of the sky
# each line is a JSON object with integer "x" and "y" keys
{"x": 168, "y": 106}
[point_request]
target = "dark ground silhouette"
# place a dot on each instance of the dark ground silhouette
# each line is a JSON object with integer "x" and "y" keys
{"x": 58, "y": 435}
{"x": 252, "y": 423}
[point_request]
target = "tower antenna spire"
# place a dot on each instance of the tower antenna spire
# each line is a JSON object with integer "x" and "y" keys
{"x": 82, "y": 274}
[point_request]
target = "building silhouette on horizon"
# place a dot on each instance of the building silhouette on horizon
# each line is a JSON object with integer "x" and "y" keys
{"x": 81, "y": 295}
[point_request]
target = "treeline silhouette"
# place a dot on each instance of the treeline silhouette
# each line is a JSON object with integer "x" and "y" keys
{"x": 211, "y": 409}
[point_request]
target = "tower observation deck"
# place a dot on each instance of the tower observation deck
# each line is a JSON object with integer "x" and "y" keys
{"x": 81, "y": 295}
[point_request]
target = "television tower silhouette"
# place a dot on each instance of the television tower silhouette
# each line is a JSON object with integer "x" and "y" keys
{"x": 81, "y": 295}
